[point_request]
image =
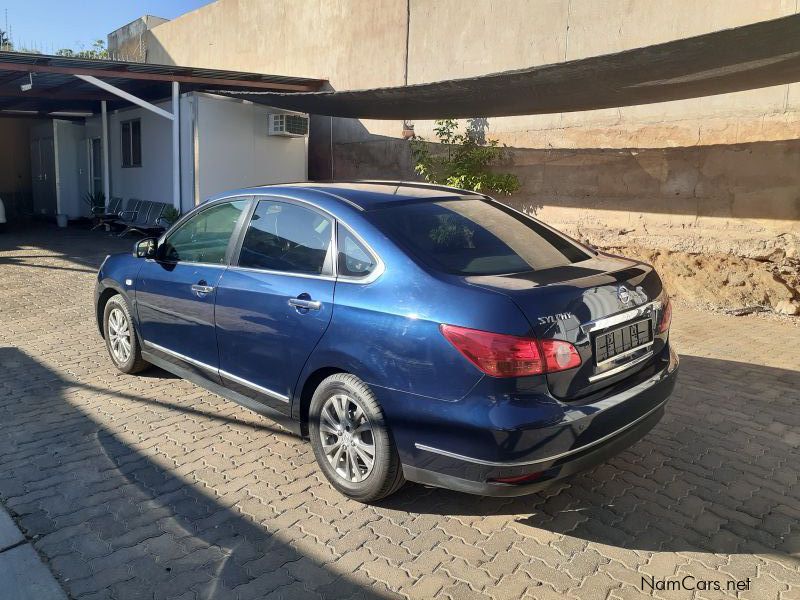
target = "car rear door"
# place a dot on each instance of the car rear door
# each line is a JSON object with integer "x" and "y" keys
{"x": 175, "y": 293}
{"x": 275, "y": 301}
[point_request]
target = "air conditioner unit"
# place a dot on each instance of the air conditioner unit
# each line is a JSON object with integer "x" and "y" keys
{"x": 288, "y": 125}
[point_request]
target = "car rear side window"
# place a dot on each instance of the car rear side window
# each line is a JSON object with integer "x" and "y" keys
{"x": 204, "y": 238}
{"x": 476, "y": 237}
{"x": 288, "y": 238}
{"x": 355, "y": 260}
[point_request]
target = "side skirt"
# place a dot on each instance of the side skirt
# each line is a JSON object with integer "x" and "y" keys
{"x": 285, "y": 421}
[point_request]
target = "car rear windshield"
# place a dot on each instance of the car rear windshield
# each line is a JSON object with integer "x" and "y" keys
{"x": 476, "y": 237}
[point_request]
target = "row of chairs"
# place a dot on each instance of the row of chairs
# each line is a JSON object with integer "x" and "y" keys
{"x": 140, "y": 216}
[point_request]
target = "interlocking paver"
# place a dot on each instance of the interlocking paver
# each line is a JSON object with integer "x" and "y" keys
{"x": 151, "y": 487}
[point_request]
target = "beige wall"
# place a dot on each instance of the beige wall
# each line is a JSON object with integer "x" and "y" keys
{"x": 353, "y": 43}
{"x": 718, "y": 166}
{"x": 362, "y": 43}
{"x": 129, "y": 42}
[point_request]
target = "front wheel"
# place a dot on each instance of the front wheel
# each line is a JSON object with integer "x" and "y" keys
{"x": 351, "y": 442}
{"x": 122, "y": 342}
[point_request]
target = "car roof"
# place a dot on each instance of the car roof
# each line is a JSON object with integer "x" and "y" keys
{"x": 367, "y": 195}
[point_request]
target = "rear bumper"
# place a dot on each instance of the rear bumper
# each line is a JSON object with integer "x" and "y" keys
{"x": 554, "y": 447}
{"x": 552, "y": 473}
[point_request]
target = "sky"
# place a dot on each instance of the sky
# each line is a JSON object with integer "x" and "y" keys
{"x": 48, "y": 25}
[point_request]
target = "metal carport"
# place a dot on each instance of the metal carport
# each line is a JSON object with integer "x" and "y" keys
{"x": 63, "y": 87}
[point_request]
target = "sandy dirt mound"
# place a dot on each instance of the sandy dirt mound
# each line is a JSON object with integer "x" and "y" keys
{"x": 723, "y": 281}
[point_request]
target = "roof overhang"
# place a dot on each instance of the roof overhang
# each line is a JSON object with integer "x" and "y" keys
{"x": 56, "y": 87}
{"x": 753, "y": 56}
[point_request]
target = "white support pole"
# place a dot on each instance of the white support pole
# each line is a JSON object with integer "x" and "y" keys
{"x": 176, "y": 145}
{"x": 106, "y": 178}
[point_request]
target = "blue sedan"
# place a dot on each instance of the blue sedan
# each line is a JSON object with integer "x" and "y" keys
{"x": 409, "y": 331}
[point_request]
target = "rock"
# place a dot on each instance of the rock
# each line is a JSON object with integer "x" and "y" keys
{"x": 787, "y": 307}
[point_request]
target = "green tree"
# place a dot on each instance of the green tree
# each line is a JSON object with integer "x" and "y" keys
{"x": 5, "y": 42}
{"x": 462, "y": 159}
{"x": 97, "y": 50}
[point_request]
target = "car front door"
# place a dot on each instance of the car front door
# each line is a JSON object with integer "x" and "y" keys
{"x": 175, "y": 292}
{"x": 275, "y": 301}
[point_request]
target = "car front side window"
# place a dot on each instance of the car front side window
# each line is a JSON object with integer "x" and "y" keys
{"x": 287, "y": 238}
{"x": 204, "y": 238}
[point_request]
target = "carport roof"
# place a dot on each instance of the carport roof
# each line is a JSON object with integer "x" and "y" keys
{"x": 57, "y": 90}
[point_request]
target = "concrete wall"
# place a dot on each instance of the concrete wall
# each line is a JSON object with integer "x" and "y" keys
{"x": 129, "y": 42}
{"x": 716, "y": 166}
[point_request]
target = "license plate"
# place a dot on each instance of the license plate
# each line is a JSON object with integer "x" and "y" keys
{"x": 622, "y": 340}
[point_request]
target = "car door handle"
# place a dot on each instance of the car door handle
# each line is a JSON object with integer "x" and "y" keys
{"x": 201, "y": 290}
{"x": 307, "y": 304}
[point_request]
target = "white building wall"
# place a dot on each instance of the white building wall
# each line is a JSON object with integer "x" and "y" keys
{"x": 153, "y": 180}
{"x": 236, "y": 151}
{"x": 224, "y": 145}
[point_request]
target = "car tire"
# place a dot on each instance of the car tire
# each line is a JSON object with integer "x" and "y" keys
{"x": 122, "y": 342}
{"x": 344, "y": 411}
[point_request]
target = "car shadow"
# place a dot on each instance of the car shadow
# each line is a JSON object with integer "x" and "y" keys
{"x": 719, "y": 474}
{"x": 113, "y": 520}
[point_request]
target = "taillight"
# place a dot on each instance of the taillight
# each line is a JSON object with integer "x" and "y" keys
{"x": 559, "y": 355}
{"x": 501, "y": 355}
{"x": 666, "y": 316}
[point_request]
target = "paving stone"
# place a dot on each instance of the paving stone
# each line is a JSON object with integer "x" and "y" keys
{"x": 148, "y": 486}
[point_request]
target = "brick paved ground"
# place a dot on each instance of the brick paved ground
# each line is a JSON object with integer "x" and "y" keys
{"x": 149, "y": 487}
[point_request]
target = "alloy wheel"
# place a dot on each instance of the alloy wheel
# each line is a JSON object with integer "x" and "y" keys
{"x": 119, "y": 335}
{"x": 347, "y": 438}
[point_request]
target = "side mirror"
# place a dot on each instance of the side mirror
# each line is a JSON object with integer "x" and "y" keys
{"x": 145, "y": 248}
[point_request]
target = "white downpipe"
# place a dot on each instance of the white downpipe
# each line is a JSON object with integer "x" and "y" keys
{"x": 176, "y": 146}
{"x": 106, "y": 169}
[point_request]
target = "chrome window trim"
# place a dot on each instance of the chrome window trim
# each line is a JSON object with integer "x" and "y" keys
{"x": 191, "y": 215}
{"x": 332, "y": 247}
{"x": 491, "y": 463}
{"x": 372, "y": 275}
{"x": 288, "y": 274}
{"x": 194, "y": 264}
{"x": 216, "y": 371}
{"x": 380, "y": 268}
{"x": 623, "y": 367}
{"x": 257, "y": 195}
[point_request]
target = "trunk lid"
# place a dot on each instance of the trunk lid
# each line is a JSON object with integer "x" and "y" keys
{"x": 606, "y": 306}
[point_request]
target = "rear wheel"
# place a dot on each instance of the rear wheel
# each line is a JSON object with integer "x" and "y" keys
{"x": 122, "y": 342}
{"x": 352, "y": 444}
